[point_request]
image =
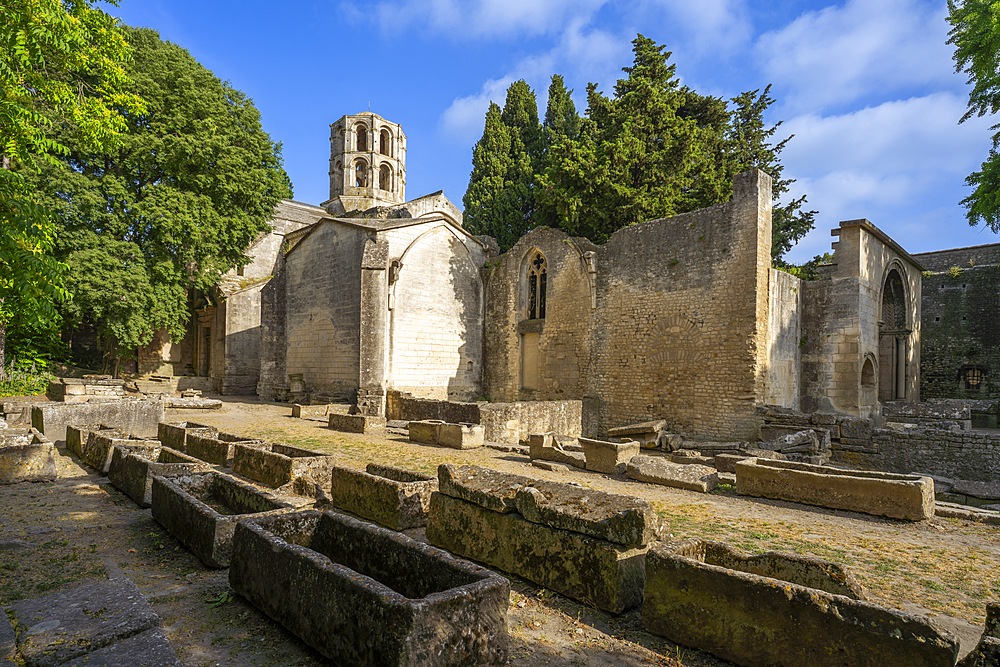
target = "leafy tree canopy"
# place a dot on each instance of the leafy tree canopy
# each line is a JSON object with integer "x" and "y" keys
{"x": 653, "y": 149}
{"x": 193, "y": 182}
{"x": 62, "y": 76}
{"x": 975, "y": 34}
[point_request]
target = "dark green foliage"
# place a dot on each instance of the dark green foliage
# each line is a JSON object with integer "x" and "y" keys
{"x": 652, "y": 150}
{"x": 192, "y": 184}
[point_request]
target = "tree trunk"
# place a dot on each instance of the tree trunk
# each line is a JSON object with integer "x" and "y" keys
{"x": 3, "y": 347}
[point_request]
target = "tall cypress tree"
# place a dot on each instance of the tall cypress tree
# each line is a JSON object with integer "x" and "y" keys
{"x": 486, "y": 199}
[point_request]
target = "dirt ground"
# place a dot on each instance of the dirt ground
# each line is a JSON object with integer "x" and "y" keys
{"x": 54, "y": 535}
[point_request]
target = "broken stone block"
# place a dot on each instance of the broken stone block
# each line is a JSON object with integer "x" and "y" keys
{"x": 600, "y": 573}
{"x": 620, "y": 519}
{"x": 26, "y": 456}
{"x": 608, "y": 457}
{"x": 393, "y": 497}
{"x": 192, "y": 403}
{"x": 355, "y": 423}
{"x": 545, "y": 447}
{"x": 490, "y": 489}
{"x": 363, "y": 595}
{"x": 908, "y": 497}
{"x": 132, "y": 471}
{"x": 425, "y": 431}
{"x": 72, "y": 625}
{"x": 648, "y": 434}
{"x": 779, "y": 609}
{"x": 803, "y": 442}
{"x": 461, "y": 436}
{"x": 279, "y": 466}
{"x": 146, "y": 649}
{"x": 691, "y": 457}
{"x": 855, "y": 428}
{"x": 657, "y": 470}
{"x": 202, "y": 510}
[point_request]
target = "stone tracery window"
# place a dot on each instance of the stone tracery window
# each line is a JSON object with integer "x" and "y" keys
{"x": 537, "y": 279}
{"x": 384, "y": 178}
{"x": 360, "y": 174}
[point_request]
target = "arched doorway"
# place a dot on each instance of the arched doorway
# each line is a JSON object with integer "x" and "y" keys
{"x": 894, "y": 336}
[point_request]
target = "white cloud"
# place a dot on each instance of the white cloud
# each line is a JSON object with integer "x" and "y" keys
{"x": 470, "y": 19}
{"x": 838, "y": 55}
{"x": 707, "y": 27}
{"x": 892, "y": 163}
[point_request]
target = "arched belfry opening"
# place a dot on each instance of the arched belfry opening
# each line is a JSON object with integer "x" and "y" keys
{"x": 361, "y": 137}
{"x": 894, "y": 337}
{"x": 360, "y": 174}
{"x": 367, "y": 163}
{"x": 384, "y": 178}
{"x": 385, "y": 142}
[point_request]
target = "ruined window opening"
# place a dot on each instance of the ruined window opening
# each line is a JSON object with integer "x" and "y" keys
{"x": 360, "y": 174}
{"x": 894, "y": 344}
{"x": 973, "y": 378}
{"x": 384, "y": 142}
{"x": 537, "y": 279}
{"x": 362, "y": 137}
{"x": 384, "y": 178}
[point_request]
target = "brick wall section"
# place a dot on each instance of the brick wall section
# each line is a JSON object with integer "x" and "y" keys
{"x": 679, "y": 328}
{"x": 784, "y": 340}
{"x": 960, "y": 324}
{"x": 436, "y": 344}
{"x": 323, "y": 309}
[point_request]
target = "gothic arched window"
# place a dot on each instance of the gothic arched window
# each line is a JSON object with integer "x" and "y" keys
{"x": 537, "y": 279}
{"x": 384, "y": 142}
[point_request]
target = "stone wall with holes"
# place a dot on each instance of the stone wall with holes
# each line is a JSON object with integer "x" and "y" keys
{"x": 323, "y": 309}
{"x": 841, "y": 328}
{"x": 435, "y": 338}
{"x": 668, "y": 319}
{"x": 960, "y": 355}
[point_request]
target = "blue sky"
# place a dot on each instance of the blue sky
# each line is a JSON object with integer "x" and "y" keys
{"x": 867, "y": 86}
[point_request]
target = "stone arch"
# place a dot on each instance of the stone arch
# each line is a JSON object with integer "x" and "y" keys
{"x": 534, "y": 273}
{"x": 435, "y": 340}
{"x": 385, "y": 142}
{"x": 385, "y": 177}
{"x": 894, "y": 334}
{"x": 360, "y": 137}
{"x": 360, "y": 173}
{"x": 869, "y": 381}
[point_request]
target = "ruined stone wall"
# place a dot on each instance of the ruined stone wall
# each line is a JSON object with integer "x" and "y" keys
{"x": 242, "y": 353}
{"x": 784, "y": 342}
{"x": 561, "y": 338}
{"x": 323, "y": 309}
{"x": 815, "y": 373}
{"x": 674, "y": 326}
{"x": 435, "y": 334}
{"x": 960, "y": 328}
{"x": 272, "y": 380}
{"x": 965, "y": 455}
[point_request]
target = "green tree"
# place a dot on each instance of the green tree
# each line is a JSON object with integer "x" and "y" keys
{"x": 975, "y": 34}
{"x": 62, "y": 64}
{"x": 192, "y": 184}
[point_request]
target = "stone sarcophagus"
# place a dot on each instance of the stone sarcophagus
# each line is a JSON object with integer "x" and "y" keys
{"x": 132, "y": 471}
{"x": 214, "y": 447}
{"x": 780, "y": 609}
{"x": 26, "y": 456}
{"x": 201, "y": 511}
{"x": 278, "y": 466}
{"x": 174, "y": 434}
{"x": 364, "y": 595}
{"x": 909, "y": 497}
{"x": 585, "y": 544}
{"x": 393, "y": 497}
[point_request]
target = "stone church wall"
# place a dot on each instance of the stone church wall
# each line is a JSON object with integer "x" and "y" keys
{"x": 436, "y": 344}
{"x": 784, "y": 340}
{"x": 961, "y": 331}
{"x": 668, "y": 319}
{"x": 242, "y": 341}
{"x": 323, "y": 310}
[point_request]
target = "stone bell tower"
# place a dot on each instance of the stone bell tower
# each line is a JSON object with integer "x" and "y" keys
{"x": 367, "y": 163}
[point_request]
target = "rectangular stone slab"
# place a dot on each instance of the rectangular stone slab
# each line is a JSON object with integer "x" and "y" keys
{"x": 276, "y": 465}
{"x": 596, "y": 572}
{"x": 608, "y": 457}
{"x": 395, "y": 498}
{"x": 355, "y": 423}
{"x": 491, "y": 489}
{"x": 544, "y": 447}
{"x": 752, "y": 619}
{"x": 658, "y": 470}
{"x": 364, "y": 595}
{"x": 68, "y": 625}
{"x": 132, "y": 472}
{"x": 425, "y": 431}
{"x": 202, "y": 510}
{"x": 26, "y": 456}
{"x": 909, "y": 497}
{"x": 620, "y": 519}
{"x": 460, "y": 436}
{"x": 138, "y": 417}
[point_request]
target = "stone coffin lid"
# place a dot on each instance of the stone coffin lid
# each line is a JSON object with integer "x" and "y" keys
{"x": 619, "y": 519}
